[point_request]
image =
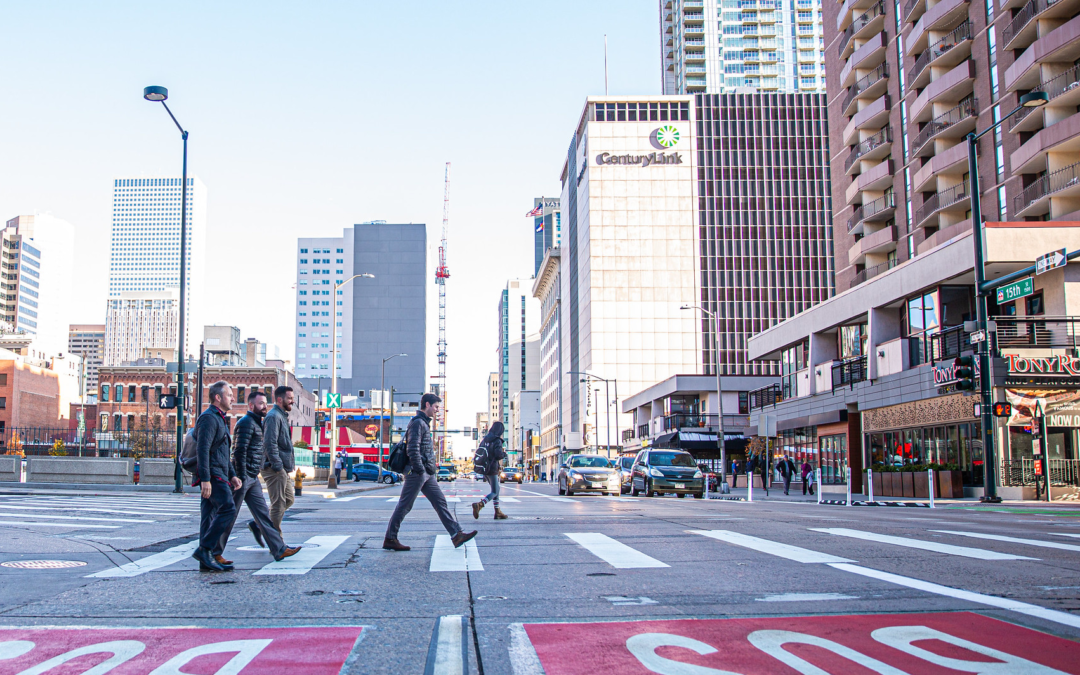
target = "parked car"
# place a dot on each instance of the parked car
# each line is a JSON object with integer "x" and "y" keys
{"x": 625, "y": 466}
{"x": 374, "y": 472}
{"x": 446, "y": 473}
{"x": 660, "y": 472}
{"x": 588, "y": 473}
{"x": 513, "y": 473}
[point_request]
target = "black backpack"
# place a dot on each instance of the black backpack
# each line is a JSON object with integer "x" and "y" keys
{"x": 481, "y": 461}
{"x": 399, "y": 455}
{"x": 189, "y": 458}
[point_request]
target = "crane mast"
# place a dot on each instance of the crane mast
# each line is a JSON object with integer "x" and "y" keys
{"x": 442, "y": 273}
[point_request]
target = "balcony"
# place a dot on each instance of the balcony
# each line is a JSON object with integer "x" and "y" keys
{"x": 880, "y": 209}
{"x": 690, "y": 422}
{"x": 953, "y": 198}
{"x": 1035, "y": 199}
{"x": 643, "y": 430}
{"x": 869, "y": 56}
{"x": 1032, "y": 156}
{"x": 949, "y": 343}
{"x": 868, "y": 22}
{"x": 946, "y": 52}
{"x": 691, "y": 29}
{"x": 695, "y": 83}
{"x": 875, "y": 179}
{"x": 875, "y": 147}
{"x": 882, "y": 241}
{"x": 766, "y": 396}
{"x": 694, "y": 56}
{"x": 913, "y": 9}
{"x": 849, "y": 7}
{"x": 693, "y": 17}
{"x": 874, "y": 116}
{"x": 954, "y": 123}
{"x": 694, "y": 43}
{"x": 849, "y": 371}
{"x": 947, "y": 88}
{"x": 869, "y": 86}
{"x": 1022, "y": 30}
{"x": 1043, "y": 332}
{"x": 1063, "y": 89}
{"x": 944, "y": 16}
{"x": 627, "y": 435}
{"x": 699, "y": 70}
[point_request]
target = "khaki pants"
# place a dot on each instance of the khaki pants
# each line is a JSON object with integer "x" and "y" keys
{"x": 279, "y": 486}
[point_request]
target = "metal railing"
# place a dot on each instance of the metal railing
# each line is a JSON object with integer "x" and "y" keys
{"x": 949, "y": 343}
{"x": 643, "y": 430}
{"x": 1021, "y": 472}
{"x": 1037, "y": 332}
{"x": 909, "y": 7}
{"x": 867, "y": 144}
{"x": 871, "y": 272}
{"x": 765, "y": 396}
{"x": 969, "y": 107}
{"x": 871, "y": 209}
{"x": 859, "y": 23}
{"x": 958, "y": 35}
{"x": 1023, "y": 18}
{"x": 627, "y": 435}
{"x": 1054, "y": 87}
{"x": 1046, "y": 185}
{"x": 848, "y": 372}
{"x": 941, "y": 200}
{"x": 687, "y": 421}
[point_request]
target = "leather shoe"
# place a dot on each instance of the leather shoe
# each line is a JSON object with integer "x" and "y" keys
{"x": 395, "y": 545}
{"x": 257, "y": 533}
{"x": 206, "y": 561}
{"x": 287, "y": 553}
{"x": 462, "y": 537}
{"x": 222, "y": 561}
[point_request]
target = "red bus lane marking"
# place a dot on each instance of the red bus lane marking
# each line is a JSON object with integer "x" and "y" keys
{"x": 890, "y": 644}
{"x": 178, "y": 651}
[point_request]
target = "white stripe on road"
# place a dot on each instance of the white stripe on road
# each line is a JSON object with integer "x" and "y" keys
{"x": 509, "y": 500}
{"x": 315, "y": 549}
{"x": 348, "y": 499}
{"x": 614, "y": 553}
{"x": 523, "y": 658}
{"x": 562, "y": 499}
{"x": 795, "y": 553}
{"x": 446, "y": 558}
{"x": 22, "y": 523}
{"x": 149, "y": 563}
{"x": 1067, "y": 534}
{"x": 122, "y": 503}
{"x": 104, "y": 520}
{"x": 937, "y": 547}
{"x": 989, "y": 600}
{"x": 1013, "y": 540}
{"x": 619, "y": 499}
{"x": 96, "y": 510}
{"x": 456, "y": 500}
{"x": 449, "y": 656}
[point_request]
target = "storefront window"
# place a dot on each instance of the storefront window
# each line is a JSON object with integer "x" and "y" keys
{"x": 834, "y": 460}
{"x": 945, "y": 444}
{"x": 792, "y": 360}
{"x": 920, "y": 322}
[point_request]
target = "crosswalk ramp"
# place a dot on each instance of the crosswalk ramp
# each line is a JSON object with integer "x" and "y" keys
{"x": 95, "y": 512}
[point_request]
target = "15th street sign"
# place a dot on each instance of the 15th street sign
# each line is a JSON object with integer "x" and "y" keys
{"x": 1015, "y": 290}
{"x": 1050, "y": 261}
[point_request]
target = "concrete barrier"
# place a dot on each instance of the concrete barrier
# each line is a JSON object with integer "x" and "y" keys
{"x": 87, "y": 470}
{"x": 159, "y": 472}
{"x": 10, "y": 468}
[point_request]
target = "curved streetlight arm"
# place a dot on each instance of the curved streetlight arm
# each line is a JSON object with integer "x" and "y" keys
{"x": 182, "y": 132}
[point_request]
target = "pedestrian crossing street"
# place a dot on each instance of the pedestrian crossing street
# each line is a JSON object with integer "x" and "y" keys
{"x": 94, "y": 512}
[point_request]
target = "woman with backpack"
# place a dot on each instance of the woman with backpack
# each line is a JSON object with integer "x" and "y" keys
{"x": 487, "y": 461}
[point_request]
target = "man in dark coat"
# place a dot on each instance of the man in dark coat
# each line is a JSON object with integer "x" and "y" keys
{"x": 278, "y": 460}
{"x": 215, "y": 476}
{"x": 787, "y": 470}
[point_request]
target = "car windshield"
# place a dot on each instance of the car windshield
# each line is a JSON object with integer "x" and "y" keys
{"x": 626, "y": 462}
{"x": 583, "y": 462}
{"x": 444, "y": 470}
{"x": 671, "y": 459}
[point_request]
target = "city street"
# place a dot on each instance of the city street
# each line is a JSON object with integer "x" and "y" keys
{"x": 567, "y": 585}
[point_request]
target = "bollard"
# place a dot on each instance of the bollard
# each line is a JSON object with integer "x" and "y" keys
{"x": 818, "y": 471}
{"x": 848, "y": 483}
{"x": 750, "y": 487}
{"x": 930, "y": 474}
{"x": 870, "y": 486}
{"x": 707, "y": 485}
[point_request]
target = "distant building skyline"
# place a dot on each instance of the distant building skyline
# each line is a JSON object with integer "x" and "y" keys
{"x": 38, "y": 259}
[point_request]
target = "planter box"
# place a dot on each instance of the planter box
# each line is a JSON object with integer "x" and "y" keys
{"x": 154, "y": 471}
{"x": 94, "y": 470}
{"x": 907, "y": 478}
{"x": 879, "y": 489}
{"x": 922, "y": 485}
{"x": 894, "y": 487}
{"x": 10, "y": 468}
{"x": 950, "y": 484}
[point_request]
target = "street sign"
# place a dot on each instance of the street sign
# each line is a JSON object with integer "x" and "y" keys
{"x": 1050, "y": 261}
{"x": 333, "y": 400}
{"x": 1015, "y": 290}
{"x": 189, "y": 366}
{"x": 978, "y": 336}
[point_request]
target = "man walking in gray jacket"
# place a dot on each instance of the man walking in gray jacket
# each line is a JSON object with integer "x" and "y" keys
{"x": 420, "y": 476}
{"x": 278, "y": 451}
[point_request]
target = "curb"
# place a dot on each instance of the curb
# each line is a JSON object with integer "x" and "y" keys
{"x": 842, "y": 502}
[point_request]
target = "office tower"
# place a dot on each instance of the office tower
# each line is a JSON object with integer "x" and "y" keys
{"x": 546, "y": 288}
{"x": 547, "y": 228}
{"x": 494, "y": 396}
{"x": 519, "y": 343}
{"x": 372, "y": 318}
{"x": 724, "y": 46}
{"x": 38, "y": 258}
{"x": 88, "y": 341}
{"x": 140, "y": 321}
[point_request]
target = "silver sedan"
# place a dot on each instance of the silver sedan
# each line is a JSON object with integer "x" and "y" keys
{"x": 588, "y": 473}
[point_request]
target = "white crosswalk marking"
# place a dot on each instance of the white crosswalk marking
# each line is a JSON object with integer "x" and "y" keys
{"x": 937, "y": 547}
{"x": 509, "y": 500}
{"x": 27, "y": 523}
{"x": 1014, "y": 540}
{"x": 1067, "y": 534}
{"x": 619, "y": 499}
{"x": 802, "y": 555}
{"x": 95, "y": 509}
{"x": 87, "y": 518}
{"x": 446, "y": 558}
{"x": 452, "y": 500}
{"x": 316, "y": 548}
{"x": 614, "y": 553}
{"x": 563, "y": 499}
{"x": 149, "y": 563}
{"x": 450, "y": 647}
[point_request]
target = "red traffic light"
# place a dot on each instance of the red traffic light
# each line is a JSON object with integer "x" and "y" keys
{"x": 1002, "y": 410}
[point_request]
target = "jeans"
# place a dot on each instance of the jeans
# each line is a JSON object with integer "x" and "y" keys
{"x": 414, "y": 484}
{"x": 280, "y": 488}
{"x": 217, "y": 514}
{"x": 251, "y": 493}
{"x": 496, "y": 487}
{"x": 787, "y": 482}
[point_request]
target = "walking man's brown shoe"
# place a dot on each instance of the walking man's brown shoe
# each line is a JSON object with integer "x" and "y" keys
{"x": 291, "y": 551}
{"x": 460, "y": 538}
{"x": 222, "y": 561}
{"x": 394, "y": 545}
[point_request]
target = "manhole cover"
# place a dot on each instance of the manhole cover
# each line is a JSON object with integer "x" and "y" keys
{"x": 600, "y": 574}
{"x": 42, "y": 564}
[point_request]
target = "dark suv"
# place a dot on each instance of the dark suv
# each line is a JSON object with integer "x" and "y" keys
{"x": 660, "y": 472}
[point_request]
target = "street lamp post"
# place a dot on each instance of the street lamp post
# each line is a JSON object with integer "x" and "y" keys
{"x": 331, "y": 480}
{"x": 382, "y": 406}
{"x": 607, "y": 401}
{"x": 1030, "y": 100}
{"x": 720, "y": 439}
{"x": 159, "y": 94}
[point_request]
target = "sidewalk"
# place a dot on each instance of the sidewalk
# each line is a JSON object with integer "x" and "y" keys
{"x": 350, "y": 488}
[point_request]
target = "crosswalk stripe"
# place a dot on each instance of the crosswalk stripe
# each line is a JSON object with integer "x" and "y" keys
{"x": 98, "y": 510}
{"x": 614, "y": 553}
{"x": 448, "y": 651}
{"x": 104, "y": 520}
{"x": 619, "y": 499}
{"x": 315, "y": 550}
{"x": 149, "y": 563}
{"x": 446, "y": 558}
{"x": 25, "y": 523}
{"x": 938, "y": 547}
{"x": 122, "y": 503}
{"x": 1067, "y": 534}
{"x": 801, "y": 555}
{"x": 562, "y": 499}
{"x": 510, "y": 500}
{"x": 1014, "y": 540}
{"x": 452, "y": 500}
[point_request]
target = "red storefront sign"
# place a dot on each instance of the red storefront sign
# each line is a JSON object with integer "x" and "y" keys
{"x": 886, "y": 643}
{"x": 169, "y": 651}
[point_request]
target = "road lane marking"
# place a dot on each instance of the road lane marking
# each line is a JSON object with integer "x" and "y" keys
{"x": 1066, "y": 534}
{"x": 562, "y": 499}
{"x": 805, "y": 597}
{"x": 21, "y": 523}
{"x": 104, "y": 520}
{"x": 619, "y": 499}
{"x": 97, "y": 510}
{"x": 455, "y": 500}
{"x": 446, "y": 558}
{"x": 509, "y": 500}
{"x": 970, "y": 596}
{"x": 937, "y": 547}
{"x": 315, "y": 549}
{"x": 449, "y": 649}
{"x": 149, "y": 563}
{"x": 1014, "y": 540}
{"x": 614, "y": 553}
{"x": 523, "y": 657}
{"x": 801, "y": 555}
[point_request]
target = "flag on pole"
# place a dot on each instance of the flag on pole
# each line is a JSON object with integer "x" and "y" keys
{"x": 538, "y": 211}
{"x": 540, "y": 225}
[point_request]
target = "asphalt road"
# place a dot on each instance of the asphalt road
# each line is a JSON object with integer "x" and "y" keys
{"x": 567, "y": 585}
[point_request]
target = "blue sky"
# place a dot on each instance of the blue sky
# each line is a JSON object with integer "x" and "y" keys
{"x": 307, "y": 118}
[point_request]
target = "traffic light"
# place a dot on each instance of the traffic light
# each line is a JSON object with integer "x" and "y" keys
{"x": 1002, "y": 410}
{"x": 320, "y": 418}
{"x": 965, "y": 373}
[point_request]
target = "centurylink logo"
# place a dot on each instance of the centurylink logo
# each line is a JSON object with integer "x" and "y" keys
{"x": 667, "y": 136}
{"x": 651, "y": 159}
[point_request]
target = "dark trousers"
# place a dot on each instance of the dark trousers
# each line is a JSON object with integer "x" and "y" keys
{"x": 414, "y": 484}
{"x": 337, "y": 475}
{"x": 734, "y": 479}
{"x": 787, "y": 482}
{"x": 252, "y": 494}
{"x": 217, "y": 514}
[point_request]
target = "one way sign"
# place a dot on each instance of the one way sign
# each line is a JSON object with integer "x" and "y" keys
{"x": 1050, "y": 261}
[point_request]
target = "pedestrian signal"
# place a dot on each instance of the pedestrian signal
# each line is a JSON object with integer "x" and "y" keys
{"x": 320, "y": 418}
{"x": 1002, "y": 410}
{"x": 475, "y": 434}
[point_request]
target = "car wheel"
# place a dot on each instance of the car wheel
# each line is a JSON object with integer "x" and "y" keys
{"x": 634, "y": 492}
{"x": 699, "y": 495}
{"x": 569, "y": 492}
{"x": 649, "y": 491}
{"x": 519, "y": 481}
{"x": 562, "y": 490}
{"x": 680, "y": 495}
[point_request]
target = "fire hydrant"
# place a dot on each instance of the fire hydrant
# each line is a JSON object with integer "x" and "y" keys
{"x": 298, "y": 488}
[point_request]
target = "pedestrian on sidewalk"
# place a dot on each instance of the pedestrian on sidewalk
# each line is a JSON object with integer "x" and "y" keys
{"x": 278, "y": 462}
{"x": 247, "y": 462}
{"x": 215, "y": 476}
{"x": 735, "y": 473}
{"x": 420, "y": 476}
{"x": 807, "y": 477}
{"x": 787, "y": 471}
{"x": 488, "y": 460}
{"x": 339, "y": 464}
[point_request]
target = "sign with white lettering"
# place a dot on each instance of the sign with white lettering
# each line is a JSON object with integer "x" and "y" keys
{"x": 1050, "y": 261}
{"x": 1061, "y": 406}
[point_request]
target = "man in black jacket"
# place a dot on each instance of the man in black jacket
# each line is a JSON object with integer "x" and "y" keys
{"x": 787, "y": 470}
{"x": 247, "y": 462}
{"x": 278, "y": 451}
{"x": 420, "y": 476}
{"x": 215, "y": 476}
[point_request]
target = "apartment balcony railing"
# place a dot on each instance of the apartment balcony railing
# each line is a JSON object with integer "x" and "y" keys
{"x": 949, "y": 343}
{"x": 643, "y": 430}
{"x": 871, "y": 272}
{"x": 871, "y": 209}
{"x": 858, "y": 24}
{"x": 695, "y": 69}
{"x": 1047, "y": 185}
{"x": 941, "y": 200}
{"x": 1054, "y": 87}
{"x": 693, "y": 17}
{"x": 766, "y": 396}
{"x": 864, "y": 83}
{"x": 965, "y": 110}
{"x": 868, "y": 145}
{"x": 910, "y": 6}
{"x": 627, "y": 435}
{"x": 958, "y": 35}
{"x": 1023, "y": 18}
{"x": 1037, "y": 332}
{"x": 848, "y": 372}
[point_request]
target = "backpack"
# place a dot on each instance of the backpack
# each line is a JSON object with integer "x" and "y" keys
{"x": 399, "y": 455}
{"x": 189, "y": 458}
{"x": 481, "y": 460}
